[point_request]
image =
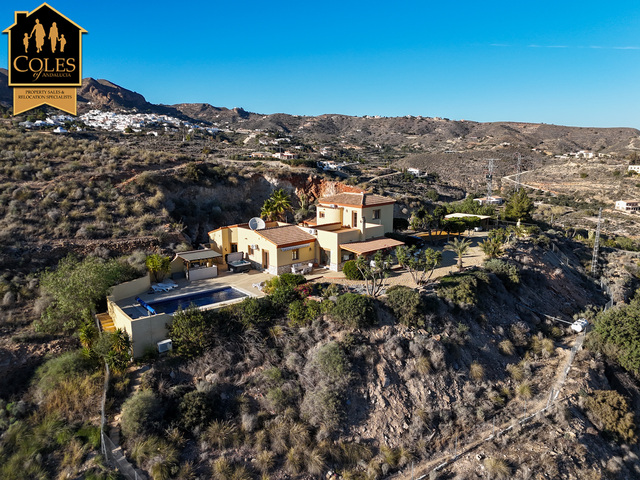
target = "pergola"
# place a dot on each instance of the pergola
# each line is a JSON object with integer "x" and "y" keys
{"x": 198, "y": 258}
{"x": 371, "y": 246}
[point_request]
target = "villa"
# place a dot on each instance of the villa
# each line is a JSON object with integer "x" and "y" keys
{"x": 346, "y": 225}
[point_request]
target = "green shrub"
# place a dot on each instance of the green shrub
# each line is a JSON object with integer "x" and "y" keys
{"x": 140, "y": 413}
{"x": 322, "y": 407}
{"x": 196, "y": 410}
{"x": 617, "y": 333}
{"x": 407, "y": 306}
{"x": 282, "y": 297}
{"x": 254, "y": 311}
{"x": 462, "y": 289}
{"x": 188, "y": 332}
{"x": 75, "y": 287}
{"x": 302, "y": 313}
{"x": 350, "y": 271}
{"x": 331, "y": 363}
{"x": 67, "y": 365}
{"x": 506, "y": 272}
{"x": 284, "y": 280}
{"x": 611, "y": 411}
{"x": 354, "y": 311}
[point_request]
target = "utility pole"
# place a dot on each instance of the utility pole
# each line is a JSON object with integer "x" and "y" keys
{"x": 490, "y": 179}
{"x": 596, "y": 246}
{"x": 519, "y": 170}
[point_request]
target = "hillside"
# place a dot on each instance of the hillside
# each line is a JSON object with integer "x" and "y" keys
{"x": 429, "y": 134}
{"x": 317, "y": 378}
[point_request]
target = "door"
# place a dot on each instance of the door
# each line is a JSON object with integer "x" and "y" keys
{"x": 265, "y": 259}
{"x": 325, "y": 256}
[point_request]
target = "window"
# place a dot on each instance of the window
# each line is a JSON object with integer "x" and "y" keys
{"x": 295, "y": 254}
{"x": 376, "y": 214}
{"x": 250, "y": 250}
{"x": 321, "y": 214}
{"x": 234, "y": 247}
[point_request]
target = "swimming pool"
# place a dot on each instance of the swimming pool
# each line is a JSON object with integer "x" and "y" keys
{"x": 200, "y": 299}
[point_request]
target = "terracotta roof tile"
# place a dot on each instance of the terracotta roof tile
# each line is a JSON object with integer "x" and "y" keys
{"x": 286, "y": 235}
{"x": 357, "y": 199}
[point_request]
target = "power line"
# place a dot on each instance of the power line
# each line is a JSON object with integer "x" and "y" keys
{"x": 490, "y": 179}
{"x": 596, "y": 246}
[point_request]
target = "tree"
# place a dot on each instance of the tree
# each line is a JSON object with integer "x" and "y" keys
{"x": 268, "y": 210}
{"x": 74, "y": 289}
{"x": 115, "y": 349}
{"x": 519, "y": 206}
{"x": 374, "y": 272}
{"x": 158, "y": 265}
{"x": 407, "y": 305}
{"x": 492, "y": 248}
{"x": 460, "y": 248}
{"x": 420, "y": 264}
{"x": 420, "y": 219}
{"x": 189, "y": 332}
{"x": 277, "y": 206}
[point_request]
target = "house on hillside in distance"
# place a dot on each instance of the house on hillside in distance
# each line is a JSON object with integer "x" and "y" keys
{"x": 489, "y": 200}
{"x": 628, "y": 205}
{"x": 346, "y": 225}
{"x": 634, "y": 168}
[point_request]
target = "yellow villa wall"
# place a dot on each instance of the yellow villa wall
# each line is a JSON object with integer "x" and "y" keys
{"x": 386, "y": 216}
{"x": 329, "y": 240}
{"x": 130, "y": 289}
{"x": 145, "y": 332}
{"x": 331, "y": 215}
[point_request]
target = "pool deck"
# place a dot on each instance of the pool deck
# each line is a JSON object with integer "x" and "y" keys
{"x": 241, "y": 281}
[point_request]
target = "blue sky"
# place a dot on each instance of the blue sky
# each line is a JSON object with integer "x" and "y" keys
{"x": 562, "y": 62}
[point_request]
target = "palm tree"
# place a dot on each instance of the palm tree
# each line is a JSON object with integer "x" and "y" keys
{"x": 281, "y": 203}
{"x": 268, "y": 211}
{"x": 492, "y": 248}
{"x": 460, "y": 248}
{"x": 276, "y": 206}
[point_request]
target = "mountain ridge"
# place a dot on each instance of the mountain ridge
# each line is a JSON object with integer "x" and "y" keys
{"x": 429, "y": 134}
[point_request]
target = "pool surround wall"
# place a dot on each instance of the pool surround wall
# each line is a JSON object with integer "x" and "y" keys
{"x": 146, "y": 331}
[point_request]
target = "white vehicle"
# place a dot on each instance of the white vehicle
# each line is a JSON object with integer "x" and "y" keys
{"x": 579, "y": 325}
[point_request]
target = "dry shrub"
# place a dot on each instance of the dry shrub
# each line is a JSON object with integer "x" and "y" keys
{"x": 423, "y": 365}
{"x": 497, "y": 468}
{"x": 525, "y": 390}
{"x": 476, "y": 371}
{"x": 506, "y": 347}
{"x": 265, "y": 460}
{"x": 221, "y": 434}
{"x": 610, "y": 411}
{"x": 74, "y": 398}
{"x": 294, "y": 460}
{"x": 515, "y": 371}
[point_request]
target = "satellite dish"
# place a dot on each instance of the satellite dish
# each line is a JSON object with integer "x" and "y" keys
{"x": 256, "y": 223}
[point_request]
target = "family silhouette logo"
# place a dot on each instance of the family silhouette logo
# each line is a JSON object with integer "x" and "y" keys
{"x": 45, "y": 60}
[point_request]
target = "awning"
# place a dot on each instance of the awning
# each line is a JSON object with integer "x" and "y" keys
{"x": 371, "y": 246}
{"x": 284, "y": 249}
{"x": 196, "y": 255}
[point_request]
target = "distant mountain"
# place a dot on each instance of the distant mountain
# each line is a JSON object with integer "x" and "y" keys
{"x": 104, "y": 95}
{"x": 428, "y": 135}
{"x": 6, "y": 96}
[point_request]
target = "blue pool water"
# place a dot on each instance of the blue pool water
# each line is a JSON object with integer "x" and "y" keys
{"x": 209, "y": 297}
